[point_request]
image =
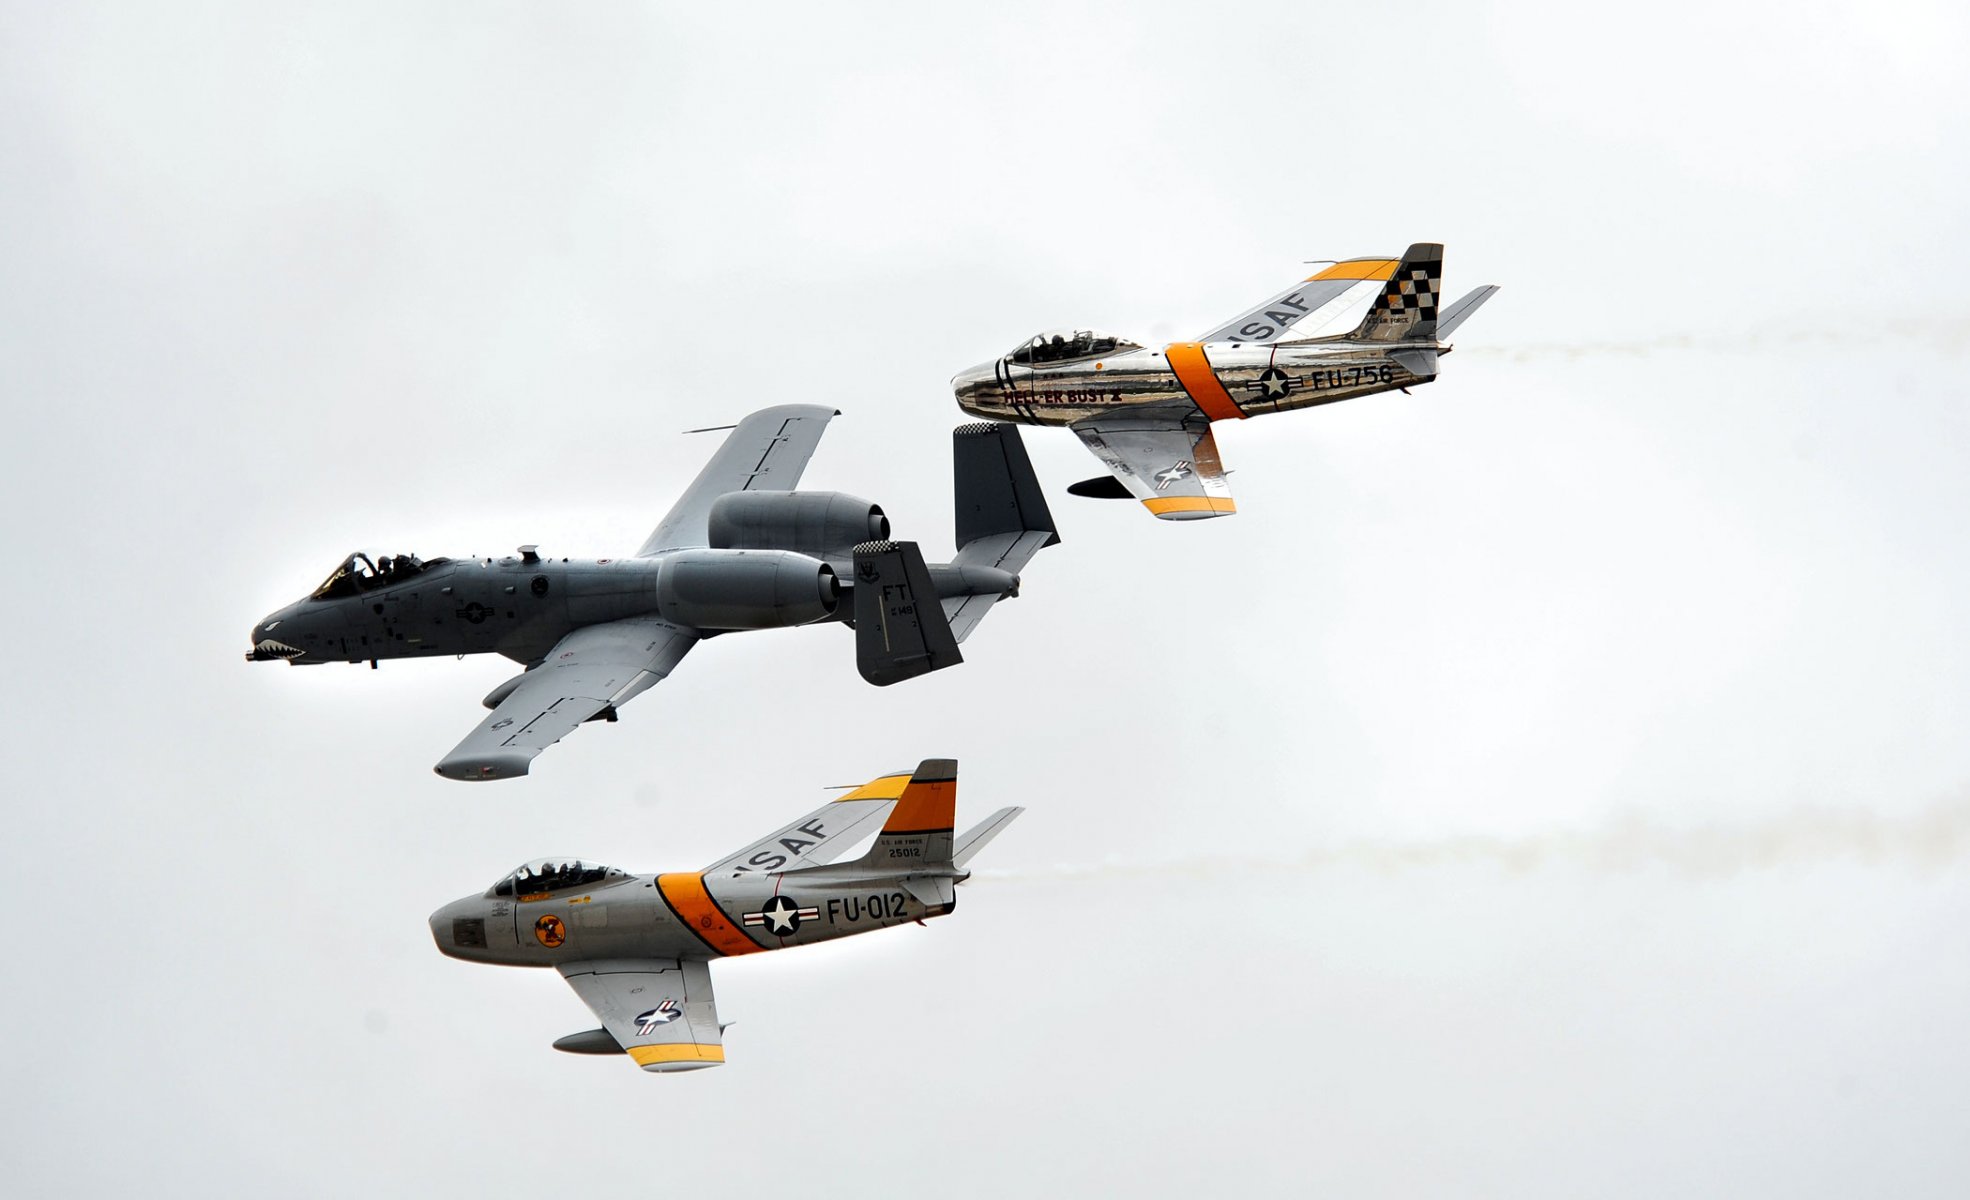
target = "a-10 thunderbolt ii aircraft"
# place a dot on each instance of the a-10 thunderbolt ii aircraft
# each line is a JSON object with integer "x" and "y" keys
{"x": 1146, "y": 414}
{"x": 637, "y": 948}
{"x": 740, "y": 550}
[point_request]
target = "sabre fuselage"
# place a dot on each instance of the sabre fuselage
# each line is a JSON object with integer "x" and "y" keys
{"x": 679, "y": 915}
{"x": 1222, "y": 380}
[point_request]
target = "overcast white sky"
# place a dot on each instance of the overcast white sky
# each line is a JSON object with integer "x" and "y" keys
{"x": 1553, "y": 782}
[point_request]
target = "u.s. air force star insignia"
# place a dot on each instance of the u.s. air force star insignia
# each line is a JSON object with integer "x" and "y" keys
{"x": 550, "y": 931}
{"x": 1273, "y": 385}
{"x": 662, "y": 1014}
{"x": 781, "y": 916}
{"x": 1174, "y": 474}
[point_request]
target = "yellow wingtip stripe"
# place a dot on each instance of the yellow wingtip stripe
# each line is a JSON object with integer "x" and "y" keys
{"x": 1359, "y": 268}
{"x": 1166, "y": 504}
{"x": 677, "y": 1052}
{"x": 889, "y": 787}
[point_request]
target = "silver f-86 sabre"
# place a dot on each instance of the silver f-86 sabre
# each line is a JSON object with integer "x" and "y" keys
{"x": 1146, "y": 412}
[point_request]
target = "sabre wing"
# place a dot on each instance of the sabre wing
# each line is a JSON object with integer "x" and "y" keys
{"x": 766, "y": 451}
{"x": 587, "y": 674}
{"x": 1168, "y": 464}
{"x": 659, "y": 1010}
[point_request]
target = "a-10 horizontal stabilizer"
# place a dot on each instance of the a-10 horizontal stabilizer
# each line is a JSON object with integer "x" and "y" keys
{"x": 900, "y": 628}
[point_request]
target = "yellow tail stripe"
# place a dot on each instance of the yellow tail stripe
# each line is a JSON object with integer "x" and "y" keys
{"x": 685, "y": 893}
{"x": 1163, "y": 504}
{"x": 1359, "y": 268}
{"x": 887, "y": 788}
{"x": 1194, "y": 372}
{"x": 677, "y": 1052}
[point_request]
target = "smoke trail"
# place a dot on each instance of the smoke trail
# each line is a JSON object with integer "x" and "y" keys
{"x": 1926, "y": 840}
{"x": 1947, "y": 335}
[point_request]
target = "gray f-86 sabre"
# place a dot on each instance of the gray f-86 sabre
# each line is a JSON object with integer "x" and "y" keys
{"x": 740, "y": 550}
{"x": 637, "y": 948}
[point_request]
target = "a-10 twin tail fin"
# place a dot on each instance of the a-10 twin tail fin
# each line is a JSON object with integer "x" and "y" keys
{"x": 910, "y": 615}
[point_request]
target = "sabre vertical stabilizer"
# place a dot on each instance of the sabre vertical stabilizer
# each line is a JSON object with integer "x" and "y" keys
{"x": 916, "y": 848}
{"x": 900, "y": 628}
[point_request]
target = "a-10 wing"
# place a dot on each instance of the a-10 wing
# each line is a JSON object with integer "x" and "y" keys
{"x": 766, "y": 451}
{"x": 659, "y": 1010}
{"x": 595, "y": 668}
{"x": 586, "y": 675}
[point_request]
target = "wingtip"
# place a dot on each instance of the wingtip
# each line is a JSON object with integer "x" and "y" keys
{"x": 484, "y": 768}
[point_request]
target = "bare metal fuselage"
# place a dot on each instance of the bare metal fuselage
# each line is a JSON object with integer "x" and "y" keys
{"x": 1220, "y": 380}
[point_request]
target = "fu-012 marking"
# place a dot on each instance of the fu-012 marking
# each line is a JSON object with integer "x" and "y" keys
{"x": 879, "y": 907}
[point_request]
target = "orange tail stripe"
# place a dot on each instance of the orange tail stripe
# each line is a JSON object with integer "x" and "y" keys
{"x": 1194, "y": 372}
{"x": 924, "y": 807}
{"x": 687, "y": 897}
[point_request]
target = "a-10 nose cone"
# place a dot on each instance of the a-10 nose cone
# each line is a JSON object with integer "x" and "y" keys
{"x": 267, "y": 646}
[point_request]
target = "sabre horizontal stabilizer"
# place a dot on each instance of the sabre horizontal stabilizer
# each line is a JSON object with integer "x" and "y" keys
{"x": 1420, "y": 362}
{"x": 973, "y": 840}
{"x": 900, "y": 628}
{"x": 1459, "y": 312}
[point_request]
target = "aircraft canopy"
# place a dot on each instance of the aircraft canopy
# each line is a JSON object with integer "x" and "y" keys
{"x": 1066, "y": 345}
{"x": 363, "y": 571}
{"x": 553, "y": 874}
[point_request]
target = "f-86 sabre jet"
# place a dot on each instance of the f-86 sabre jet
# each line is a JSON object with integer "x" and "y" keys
{"x": 1147, "y": 414}
{"x": 637, "y": 948}
{"x": 740, "y": 550}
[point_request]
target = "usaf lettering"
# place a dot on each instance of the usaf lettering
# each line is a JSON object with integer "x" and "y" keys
{"x": 1258, "y": 331}
{"x": 767, "y": 860}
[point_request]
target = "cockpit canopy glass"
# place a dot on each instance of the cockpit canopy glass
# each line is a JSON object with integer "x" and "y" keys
{"x": 544, "y": 875}
{"x": 1066, "y": 345}
{"x": 363, "y": 571}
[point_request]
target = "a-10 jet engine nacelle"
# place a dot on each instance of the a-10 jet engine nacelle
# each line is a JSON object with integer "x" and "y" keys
{"x": 812, "y": 523}
{"x": 745, "y": 589}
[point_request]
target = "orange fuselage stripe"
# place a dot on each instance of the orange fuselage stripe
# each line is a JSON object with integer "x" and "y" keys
{"x": 924, "y": 807}
{"x": 685, "y": 893}
{"x": 1163, "y": 504}
{"x": 1194, "y": 372}
{"x": 1360, "y": 268}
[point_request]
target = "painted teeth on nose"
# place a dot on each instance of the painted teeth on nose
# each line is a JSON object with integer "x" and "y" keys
{"x": 274, "y": 648}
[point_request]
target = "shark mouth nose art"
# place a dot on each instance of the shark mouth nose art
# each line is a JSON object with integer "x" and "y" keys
{"x": 269, "y": 649}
